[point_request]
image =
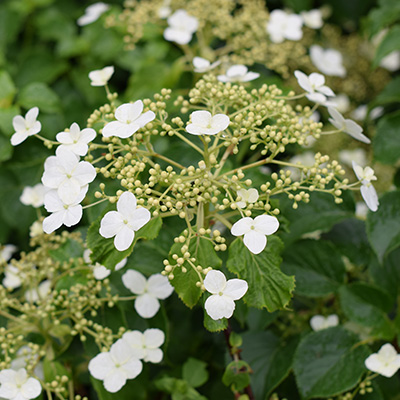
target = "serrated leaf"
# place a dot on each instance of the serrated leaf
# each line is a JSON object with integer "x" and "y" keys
{"x": 268, "y": 286}
{"x": 214, "y": 325}
{"x": 316, "y": 265}
{"x": 194, "y": 372}
{"x": 386, "y": 142}
{"x": 237, "y": 375}
{"x": 383, "y": 226}
{"x": 329, "y": 362}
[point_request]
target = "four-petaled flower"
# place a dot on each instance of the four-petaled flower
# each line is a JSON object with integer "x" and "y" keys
{"x": 33, "y": 195}
{"x": 221, "y": 303}
{"x": 100, "y": 77}
{"x": 385, "y": 362}
{"x": 368, "y": 192}
{"x": 148, "y": 291}
{"x": 93, "y": 13}
{"x": 124, "y": 222}
{"x": 115, "y": 366}
{"x": 25, "y": 127}
{"x": 283, "y": 26}
{"x": 347, "y": 125}
{"x": 76, "y": 140}
{"x": 238, "y": 73}
{"x": 328, "y": 61}
{"x": 203, "y": 123}
{"x": 314, "y": 84}
{"x": 247, "y": 196}
{"x": 255, "y": 231}
{"x": 202, "y": 65}
{"x": 319, "y": 322}
{"x": 181, "y": 27}
{"x": 312, "y": 19}
{"x": 16, "y": 385}
{"x": 129, "y": 119}
{"x": 100, "y": 271}
{"x": 146, "y": 345}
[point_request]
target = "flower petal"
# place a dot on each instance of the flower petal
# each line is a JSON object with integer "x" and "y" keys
{"x": 101, "y": 365}
{"x": 133, "y": 368}
{"x": 255, "y": 241}
{"x": 154, "y": 356}
{"x": 236, "y": 288}
{"x": 153, "y": 338}
{"x": 215, "y": 281}
{"x": 147, "y": 305}
{"x": 31, "y": 388}
{"x": 124, "y": 238}
{"x": 134, "y": 281}
{"x": 127, "y": 113}
{"x": 115, "y": 380}
{"x": 242, "y": 226}
{"x": 126, "y": 204}
{"x": 370, "y": 197}
{"x": 266, "y": 224}
{"x": 158, "y": 286}
{"x": 218, "y": 307}
{"x": 111, "y": 224}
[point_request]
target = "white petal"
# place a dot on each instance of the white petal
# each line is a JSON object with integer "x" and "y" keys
{"x": 159, "y": 286}
{"x": 145, "y": 118}
{"x": 135, "y": 341}
{"x": 140, "y": 217}
{"x": 266, "y": 224}
{"x": 236, "y": 71}
{"x": 100, "y": 272}
{"x": 121, "y": 264}
{"x": 154, "y": 356}
{"x": 126, "y": 204}
{"x": 220, "y": 122}
{"x": 317, "y": 322}
{"x": 370, "y": 197}
{"x": 134, "y": 281}
{"x": 153, "y": 338}
{"x": 133, "y": 368}
{"x": 215, "y": 282}
{"x": 18, "y": 138}
{"x": 120, "y": 352}
{"x": 147, "y": 305}
{"x": 201, "y": 118}
{"x": 31, "y": 388}
{"x": 250, "y": 76}
{"x": 111, "y": 224}
{"x": 72, "y": 215}
{"x": 31, "y": 116}
{"x": 218, "y": 307}
{"x": 242, "y": 226}
{"x": 303, "y": 81}
{"x": 252, "y": 195}
{"x": 53, "y": 222}
{"x": 236, "y": 288}
{"x": 127, "y": 113}
{"x": 255, "y": 241}
{"x": 119, "y": 129}
{"x": 8, "y": 390}
{"x": 355, "y": 130}
{"x": 101, "y": 365}
{"x": 124, "y": 238}
{"x": 115, "y": 380}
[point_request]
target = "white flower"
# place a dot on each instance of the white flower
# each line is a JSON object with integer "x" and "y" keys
{"x": 221, "y": 303}
{"x": 385, "y": 362}
{"x": 283, "y": 26}
{"x": 391, "y": 62}
{"x": 125, "y": 222}
{"x": 314, "y": 85}
{"x": 203, "y": 123}
{"x": 39, "y": 293}
{"x": 157, "y": 287}
{"x": 6, "y": 252}
{"x": 347, "y": 125}
{"x": 247, "y": 196}
{"x": 319, "y": 322}
{"x": 360, "y": 113}
{"x": 341, "y": 102}
{"x": 164, "y": 12}
{"x": 357, "y": 155}
{"x": 33, "y": 196}
{"x": 146, "y": 345}
{"x": 368, "y": 192}
{"x": 12, "y": 277}
{"x": 129, "y": 119}
{"x": 181, "y": 27}
{"x": 255, "y": 231}
{"x": 100, "y": 77}
{"x": 24, "y": 354}
{"x": 62, "y": 213}
{"x": 67, "y": 175}
{"x": 76, "y": 140}
{"x": 328, "y": 61}
{"x": 100, "y": 271}
{"x": 115, "y": 366}
{"x": 16, "y": 385}
{"x": 25, "y": 127}
{"x": 312, "y": 18}
{"x": 238, "y": 73}
{"x": 93, "y": 13}
{"x": 202, "y": 65}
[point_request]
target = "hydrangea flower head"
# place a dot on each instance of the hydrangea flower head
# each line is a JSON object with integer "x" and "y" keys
{"x": 33, "y": 195}
{"x": 181, "y": 27}
{"x": 93, "y": 13}
{"x": 16, "y": 385}
{"x": 368, "y": 192}
{"x": 314, "y": 85}
{"x": 203, "y": 123}
{"x": 319, "y": 322}
{"x": 347, "y": 125}
{"x": 238, "y": 73}
{"x": 76, "y": 140}
{"x": 221, "y": 303}
{"x": 100, "y": 77}
{"x": 282, "y": 25}
{"x": 255, "y": 231}
{"x": 129, "y": 119}
{"x": 124, "y": 222}
{"x": 146, "y": 345}
{"x": 116, "y": 366}
{"x": 385, "y": 362}
{"x": 25, "y": 127}
{"x": 149, "y": 291}
{"x": 328, "y": 61}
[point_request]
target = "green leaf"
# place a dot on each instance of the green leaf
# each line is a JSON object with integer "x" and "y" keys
{"x": 367, "y": 305}
{"x": 104, "y": 251}
{"x": 179, "y": 389}
{"x": 6, "y": 117}
{"x": 52, "y": 369}
{"x": 386, "y": 142}
{"x": 391, "y": 93}
{"x": 382, "y": 17}
{"x": 237, "y": 375}
{"x": 6, "y": 150}
{"x": 383, "y": 226}
{"x": 69, "y": 250}
{"x": 214, "y": 325}
{"x": 316, "y": 265}
{"x": 194, "y": 372}
{"x": 389, "y": 43}
{"x": 329, "y": 362}
{"x": 185, "y": 282}
{"x": 38, "y": 94}
{"x": 268, "y": 286}
{"x": 7, "y": 89}
{"x": 270, "y": 358}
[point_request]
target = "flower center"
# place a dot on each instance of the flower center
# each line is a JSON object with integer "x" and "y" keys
{"x": 252, "y": 227}
{"x": 220, "y": 294}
